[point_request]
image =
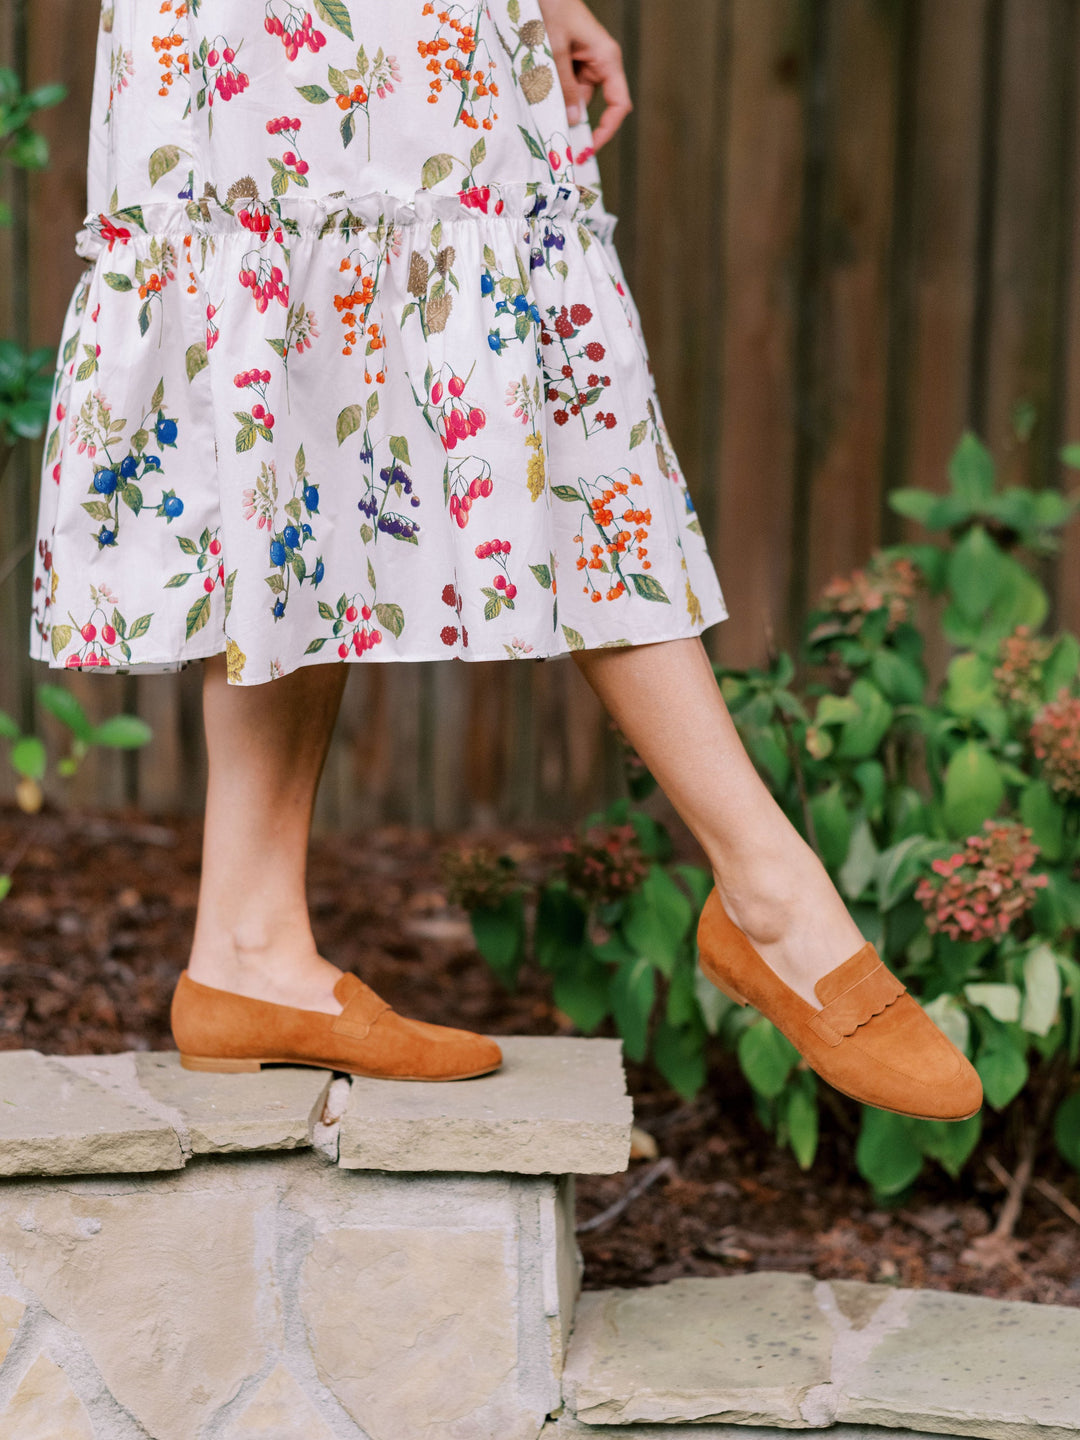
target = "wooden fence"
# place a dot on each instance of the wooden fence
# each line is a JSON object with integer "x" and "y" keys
{"x": 852, "y": 229}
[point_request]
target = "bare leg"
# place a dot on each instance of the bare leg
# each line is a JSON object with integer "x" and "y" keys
{"x": 267, "y": 745}
{"x": 665, "y": 699}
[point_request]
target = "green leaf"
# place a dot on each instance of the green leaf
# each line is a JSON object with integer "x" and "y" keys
{"x": 349, "y": 420}
{"x": 974, "y": 789}
{"x": 583, "y": 991}
{"x": 633, "y": 991}
{"x": 1042, "y": 990}
{"x": 658, "y": 917}
{"x": 391, "y": 617}
{"x": 63, "y": 704}
{"x": 679, "y": 1053}
{"x": 766, "y": 1057}
{"x": 899, "y": 678}
{"x": 123, "y": 732}
{"x": 162, "y": 160}
{"x": 573, "y": 639}
{"x": 863, "y": 734}
{"x": 1062, "y": 667}
{"x": 832, "y": 825}
{"x": 1002, "y": 1068}
{"x": 315, "y": 93}
{"x": 801, "y": 1118}
{"x": 886, "y": 1153}
{"x": 913, "y": 504}
{"x": 950, "y": 1142}
{"x": 8, "y": 728}
{"x": 60, "y": 638}
{"x": 566, "y": 492}
{"x": 499, "y": 932}
{"x": 199, "y": 614}
{"x": 1040, "y": 810}
{"x": 399, "y": 449}
{"x": 117, "y": 281}
{"x": 435, "y": 169}
{"x": 559, "y": 928}
{"x": 971, "y": 471}
{"x": 335, "y": 13}
{"x": 949, "y": 1015}
{"x": 28, "y": 757}
{"x": 897, "y": 869}
{"x": 1067, "y": 1129}
{"x": 1019, "y": 600}
{"x": 1002, "y": 1001}
{"x": 969, "y": 685}
{"x": 858, "y": 869}
{"x": 649, "y": 588}
{"x": 974, "y": 571}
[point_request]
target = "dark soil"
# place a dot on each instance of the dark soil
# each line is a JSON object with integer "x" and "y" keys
{"x": 98, "y": 925}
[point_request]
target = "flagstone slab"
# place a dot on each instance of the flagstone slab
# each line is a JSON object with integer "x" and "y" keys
{"x": 568, "y": 1428}
{"x": 968, "y": 1365}
{"x": 745, "y": 1349}
{"x": 556, "y": 1107}
{"x": 272, "y": 1109}
{"x": 55, "y": 1121}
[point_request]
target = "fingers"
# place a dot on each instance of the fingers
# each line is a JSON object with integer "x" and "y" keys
{"x": 616, "y": 92}
{"x": 564, "y": 65}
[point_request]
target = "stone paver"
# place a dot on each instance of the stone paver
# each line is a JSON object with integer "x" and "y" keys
{"x": 12, "y": 1311}
{"x": 54, "y": 1121}
{"x": 569, "y": 1429}
{"x": 279, "y": 1410}
{"x": 967, "y": 1365}
{"x": 272, "y": 1109}
{"x": 557, "y": 1106}
{"x": 45, "y": 1407}
{"x": 746, "y": 1348}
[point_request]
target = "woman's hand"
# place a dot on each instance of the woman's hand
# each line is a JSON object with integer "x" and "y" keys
{"x": 586, "y": 56}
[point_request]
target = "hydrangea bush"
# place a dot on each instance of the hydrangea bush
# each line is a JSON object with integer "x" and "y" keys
{"x": 950, "y": 822}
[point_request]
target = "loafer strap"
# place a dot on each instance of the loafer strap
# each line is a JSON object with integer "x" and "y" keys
{"x": 872, "y": 992}
{"x": 362, "y": 1007}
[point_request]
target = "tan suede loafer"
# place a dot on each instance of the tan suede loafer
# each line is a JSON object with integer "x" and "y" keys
{"x": 221, "y": 1031}
{"x": 871, "y": 1039}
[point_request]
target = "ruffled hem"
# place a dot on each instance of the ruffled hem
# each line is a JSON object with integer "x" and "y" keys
{"x": 340, "y": 214}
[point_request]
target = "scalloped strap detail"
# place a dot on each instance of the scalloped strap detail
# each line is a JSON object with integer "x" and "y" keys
{"x": 362, "y": 1008}
{"x": 866, "y": 997}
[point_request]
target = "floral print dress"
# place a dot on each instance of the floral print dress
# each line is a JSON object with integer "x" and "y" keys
{"x": 352, "y": 372}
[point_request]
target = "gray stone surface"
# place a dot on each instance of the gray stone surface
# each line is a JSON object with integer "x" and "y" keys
{"x": 45, "y": 1407}
{"x": 557, "y": 1106}
{"x": 568, "y": 1428}
{"x": 747, "y": 1349}
{"x": 54, "y": 1121}
{"x": 272, "y": 1109}
{"x": 967, "y": 1365}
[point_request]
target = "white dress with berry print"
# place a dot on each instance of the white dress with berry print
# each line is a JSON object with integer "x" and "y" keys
{"x": 352, "y": 372}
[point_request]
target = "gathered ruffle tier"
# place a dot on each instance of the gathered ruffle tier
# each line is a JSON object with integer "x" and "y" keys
{"x": 387, "y": 428}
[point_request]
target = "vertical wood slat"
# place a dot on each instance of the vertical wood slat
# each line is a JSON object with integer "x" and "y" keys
{"x": 825, "y": 308}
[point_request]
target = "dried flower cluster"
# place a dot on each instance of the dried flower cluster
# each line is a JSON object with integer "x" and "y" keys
{"x": 977, "y": 893}
{"x": 605, "y": 863}
{"x": 1055, "y": 738}
{"x": 1018, "y": 675}
{"x": 476, "y": 877}
{"x": 888, "y": 583}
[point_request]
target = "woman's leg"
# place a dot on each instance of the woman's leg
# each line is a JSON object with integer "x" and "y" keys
{"x": 266, "y": 746}
{"x": 665, "y": 699}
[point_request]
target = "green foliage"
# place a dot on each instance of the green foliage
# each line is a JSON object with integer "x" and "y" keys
{"x": 884, "y": 779}
{"x": 28, "y": 755}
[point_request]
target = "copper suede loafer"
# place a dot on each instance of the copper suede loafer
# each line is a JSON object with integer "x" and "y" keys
{"x": 870, "y": 1039}
{"x": 219, "y": 1030}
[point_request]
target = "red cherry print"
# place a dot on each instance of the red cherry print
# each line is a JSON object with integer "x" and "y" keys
{"x": 455, "y": 385}
{"x": 215, "y": 547}
{"x": 343, "y": 650}
{"x": 365, "y": 611}
{"x": 511, "y": 591}
{"x": 108, "y": 634}
{"x": 351, "y": 613}
{"x": 88, "y": 631}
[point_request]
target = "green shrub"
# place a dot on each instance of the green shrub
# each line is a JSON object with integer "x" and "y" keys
{"x": 950, "y": 824}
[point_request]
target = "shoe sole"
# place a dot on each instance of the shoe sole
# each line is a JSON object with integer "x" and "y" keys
{"x": 212, "y": 1065}
{"x": 729, "y": 990}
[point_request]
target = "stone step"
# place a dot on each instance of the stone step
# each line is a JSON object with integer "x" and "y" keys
{"x": 557, "y": 1106}
{"x": 568, "y": 1428}
{"x": 775, "y": 1349}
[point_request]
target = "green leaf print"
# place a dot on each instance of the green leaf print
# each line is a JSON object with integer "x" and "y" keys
{"x": 132, "y": 496}
{"x": 566, "y": 492}
{"x": 335, "y": 14}
{"x": 197, "y": 616}
{"x": 142, "y": 625}
{"x": 116, "y": 281}
{"x": 132, "y": 213}
{"x": 164, "y": 159}
{"x": 230, "y": 583}
{"x": 326, "y": 612}
{"x": 350, "y": 420}
{"x": 573, "y": 638}
{"x": 370, "y": 573}
{"x": 434, "y": 169}
{"x": 314, "y": 645}
{"x": 144, "y": 317}
{"x": 187, "y": 545}
{"x": 543, "y": 574}
{"x": 339, "y": 81}
{"x": 347, "y": 128}
{"x": 176, "y": 581}
{"x": 60, "y": 638}
{"x": 315, "y": 93}
{"x": 89, "y": 365}
{"x": 648, "y": 588}
{"x": 372, "y": 405}
{"x": 195, "y": 358}
{"x": 97, "y": 509}
{"x": 477, "y": 153}
{"x": 399, "y": 449}
{"x": 391, "y": 617}
{"x": 158, "y": 397}
{"x": 637, "y": 434}
{"x": 533, "y": 144}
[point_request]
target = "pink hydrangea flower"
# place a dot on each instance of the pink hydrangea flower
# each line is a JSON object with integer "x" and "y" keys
{"x": 1055, "y": 738}
{"x": 977, "y": 893}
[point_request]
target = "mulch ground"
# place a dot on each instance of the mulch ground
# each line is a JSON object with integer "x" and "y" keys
{"x": 98, "y": 925}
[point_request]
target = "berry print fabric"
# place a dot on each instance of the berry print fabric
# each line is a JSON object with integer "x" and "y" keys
{"x": 352, "y": 372}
